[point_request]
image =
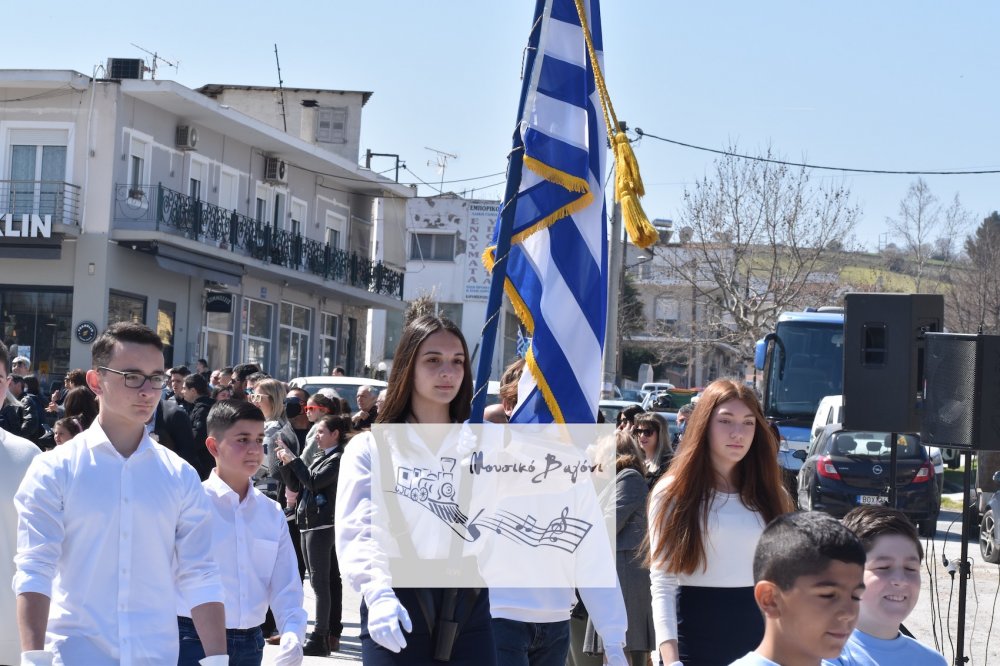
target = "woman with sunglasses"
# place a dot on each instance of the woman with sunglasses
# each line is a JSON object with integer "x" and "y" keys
{"x": 656, "y": 450}
{"x": 318, "y": 405}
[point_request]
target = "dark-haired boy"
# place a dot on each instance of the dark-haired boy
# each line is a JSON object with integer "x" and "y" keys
{"x": 250, "y": 540}
{"x": 110, "y": 524}
{"x": 892, "y": 587}
{"x": 808, "y": 578}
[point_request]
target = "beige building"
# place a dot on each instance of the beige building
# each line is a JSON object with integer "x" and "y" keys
{"x": 234, "y": 220}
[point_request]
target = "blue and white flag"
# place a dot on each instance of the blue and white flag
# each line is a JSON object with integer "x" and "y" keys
{"x": 556, "y": 273}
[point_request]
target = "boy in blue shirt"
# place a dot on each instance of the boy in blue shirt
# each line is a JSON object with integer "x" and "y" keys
{"x": 251, "y": 543}
{"x": 807, "y": 571}
{"x": 892, "y": 587}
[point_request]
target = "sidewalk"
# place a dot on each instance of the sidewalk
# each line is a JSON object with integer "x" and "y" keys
{"x": 350, "y": 646}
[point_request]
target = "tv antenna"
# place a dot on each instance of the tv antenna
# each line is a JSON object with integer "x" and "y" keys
{"x": 281, "y": 89}
{"x": 441, "y": 163}
{"x": 156, "y": 57}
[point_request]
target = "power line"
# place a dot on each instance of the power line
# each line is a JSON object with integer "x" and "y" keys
{"x": 815, "y": 166}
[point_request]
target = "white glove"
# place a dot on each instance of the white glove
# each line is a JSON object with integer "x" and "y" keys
{"x": 215, "y": 660}
{"x": 467, "y": 444}
{"x": 37, "y": 658}
{"x": 614, "y": 655}
{"x": 290, "y": 652}
{"x": 385, "y": 617}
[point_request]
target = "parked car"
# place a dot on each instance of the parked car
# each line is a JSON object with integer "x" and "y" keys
{"x": 658, "y": 401}
{"x": 612, "y": 408}
{"x": 634, "y": 395}
{"x": 831, "y": 410}
{"x": 843, "y": 469}
{"x": 989, "y": 537}
{"x": 346, "y": 387}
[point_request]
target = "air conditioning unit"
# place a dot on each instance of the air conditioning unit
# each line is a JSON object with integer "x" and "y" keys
{"x": 275, "y": 170}
{"x": 187, "y": 137}
{"x": 125, "y": 68}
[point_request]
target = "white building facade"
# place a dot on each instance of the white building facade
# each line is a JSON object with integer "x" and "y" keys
{"x": 445, "y": 239}
{"x": 236, "y": 224}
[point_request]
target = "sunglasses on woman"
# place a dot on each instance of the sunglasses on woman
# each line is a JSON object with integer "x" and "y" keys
{"x": 314, "y": 408}
{"x": 644, "y": 432}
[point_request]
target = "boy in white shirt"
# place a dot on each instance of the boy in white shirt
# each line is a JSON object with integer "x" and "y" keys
{"x": 250, "y": 541}
{"x": 892, "y": 587}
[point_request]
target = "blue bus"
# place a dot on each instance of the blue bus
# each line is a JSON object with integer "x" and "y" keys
{"x": 801, "y": 362}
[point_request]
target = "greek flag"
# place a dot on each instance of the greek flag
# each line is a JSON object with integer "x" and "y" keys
{"x": 557, "y": 267}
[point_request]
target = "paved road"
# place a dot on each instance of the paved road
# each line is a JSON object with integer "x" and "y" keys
{"x": 936, "y": 612}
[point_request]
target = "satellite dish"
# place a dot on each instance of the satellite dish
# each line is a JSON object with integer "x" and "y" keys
{"x": 686, "y": 234}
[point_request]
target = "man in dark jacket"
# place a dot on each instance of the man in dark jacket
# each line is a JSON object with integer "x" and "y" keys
{"x": 195, "y": 393}
{"x": 171, "y": 427}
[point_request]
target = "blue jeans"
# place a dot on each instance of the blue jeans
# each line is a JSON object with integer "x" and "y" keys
{"x": 244, "y": 646}
{"x": 531, "y": 643}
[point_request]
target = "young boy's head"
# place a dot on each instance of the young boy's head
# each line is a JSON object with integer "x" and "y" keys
{"x": 808, "y": 573}
{"x": 892, "y": 571}
{"x": 235, "y": 438}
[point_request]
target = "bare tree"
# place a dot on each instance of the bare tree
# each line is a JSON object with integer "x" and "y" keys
{"x": 927, "y": 231}
{"x": 975, "y": 296}
{"x": 763, "y": 237}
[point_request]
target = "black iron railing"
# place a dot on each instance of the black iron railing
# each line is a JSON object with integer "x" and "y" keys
{"x": 159, "y": 208}
{"x": 59, "y": 199}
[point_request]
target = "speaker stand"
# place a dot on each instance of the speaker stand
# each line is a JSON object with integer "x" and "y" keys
{"x": 964, "y": 567}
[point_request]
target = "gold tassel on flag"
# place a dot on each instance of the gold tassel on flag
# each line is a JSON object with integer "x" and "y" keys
{"x": 628, "y": 182}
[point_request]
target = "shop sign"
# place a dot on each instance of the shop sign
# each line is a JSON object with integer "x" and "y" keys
{"x": 218, "y": 301}
{"x": 31, "y": 226}
{"x": 86, "y": 331}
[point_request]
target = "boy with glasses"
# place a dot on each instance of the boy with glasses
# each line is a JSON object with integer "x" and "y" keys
{"x": 111, "y": 524}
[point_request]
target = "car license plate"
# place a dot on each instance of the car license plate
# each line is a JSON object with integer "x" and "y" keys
{"x": 872, "y": 499}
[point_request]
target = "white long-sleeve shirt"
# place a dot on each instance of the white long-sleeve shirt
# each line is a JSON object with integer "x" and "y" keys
{"x": 250, "y": 540}
{"x": 99, "y": 534}
{"x": 732, "y": 536}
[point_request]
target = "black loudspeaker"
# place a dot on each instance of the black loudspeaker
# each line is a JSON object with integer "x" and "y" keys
{"x": 884, "y": 358}
{"x": 962, "y": 393}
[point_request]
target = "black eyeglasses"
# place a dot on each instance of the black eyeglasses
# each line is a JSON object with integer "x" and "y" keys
{"x": 643, "y": 432}
{"x": 137, "y": 379}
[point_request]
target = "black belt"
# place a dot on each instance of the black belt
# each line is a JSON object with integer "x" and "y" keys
{"x": 181, "y": 620}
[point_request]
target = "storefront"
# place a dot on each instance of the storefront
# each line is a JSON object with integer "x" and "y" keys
{"x": 37, "y": 323}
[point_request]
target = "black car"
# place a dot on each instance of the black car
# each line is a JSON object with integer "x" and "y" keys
{"x": 844, "y": 469}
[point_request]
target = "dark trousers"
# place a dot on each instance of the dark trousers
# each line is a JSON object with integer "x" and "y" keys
{"x": 244, "y": 646}
{"x": 534, "y": 643}
{"x": 698, "y": 613}
{"x": 324, "y": 575}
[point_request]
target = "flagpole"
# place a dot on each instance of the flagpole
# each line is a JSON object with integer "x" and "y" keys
{"x": 506, "y": 222}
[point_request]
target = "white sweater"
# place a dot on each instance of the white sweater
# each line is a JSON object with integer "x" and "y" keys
{"x": 733, "y": 532}
{"x": 16, "y": 453}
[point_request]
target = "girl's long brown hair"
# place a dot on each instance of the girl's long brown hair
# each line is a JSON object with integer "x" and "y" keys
{"x": 397, "y": 397}
{"x": 681, "y": 508}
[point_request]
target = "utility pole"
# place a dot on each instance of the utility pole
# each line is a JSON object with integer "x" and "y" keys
{"x": 616, "y": 260}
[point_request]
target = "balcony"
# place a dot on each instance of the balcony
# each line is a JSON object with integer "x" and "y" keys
{"x": 158, "y": 208}
{"x": 59, "y": 199}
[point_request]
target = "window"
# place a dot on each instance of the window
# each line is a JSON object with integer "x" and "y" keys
{"x": 126, "y": 307}
{"x": 255, "y": 327}
{"x": 666, "y": 309}
{"x": 432, "y": 247}
{"x": 335, "y": 225}
{"x": 218, "y": 339}
{"x": 299, "y": 212}
{"x": 331, "y": 125}
{"x": 260, "y": 212}
{"x": 38, "y": 160}
{"x": 279, "y": 211}
{"x": 328, "y": 334}
{"x": 293, "y": 341}
{"x": 38, "y": 323}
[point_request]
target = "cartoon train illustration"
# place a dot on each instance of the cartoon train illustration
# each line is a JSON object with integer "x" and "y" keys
{"x": 421, "y": 484}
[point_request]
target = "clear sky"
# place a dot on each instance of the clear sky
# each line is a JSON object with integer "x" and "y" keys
{"x": 895, "y": 84}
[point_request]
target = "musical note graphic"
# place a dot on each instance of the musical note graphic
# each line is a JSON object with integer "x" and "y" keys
{"x": 565, "y": 532}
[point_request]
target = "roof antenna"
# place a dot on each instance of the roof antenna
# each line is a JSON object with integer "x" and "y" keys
{"x": 441, "y": 163}
{"x": 156, "y": 57}
{"x": 284, "y": 120}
